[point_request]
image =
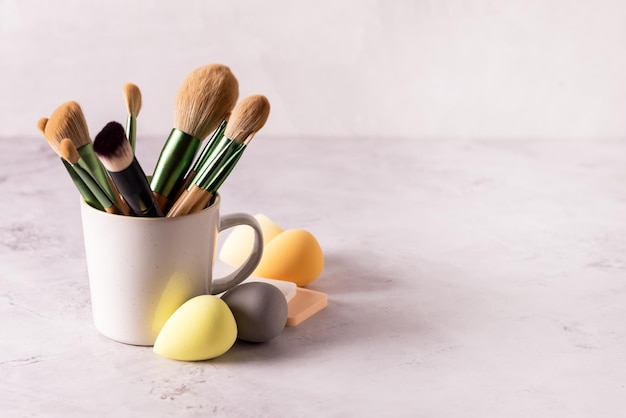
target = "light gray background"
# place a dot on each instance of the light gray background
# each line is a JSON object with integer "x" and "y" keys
{"x": 442, "y": 69}
{"x": 461, "y": 163}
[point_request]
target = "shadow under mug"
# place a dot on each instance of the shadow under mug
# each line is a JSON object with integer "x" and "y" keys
{"x": 142, "y": 269}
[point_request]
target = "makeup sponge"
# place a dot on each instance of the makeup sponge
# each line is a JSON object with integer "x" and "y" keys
{"x": 293, "y": 255}
{"x": 202, "y": 328}
{"x": 260, "y": 310}
{"x": 238, "y": 244}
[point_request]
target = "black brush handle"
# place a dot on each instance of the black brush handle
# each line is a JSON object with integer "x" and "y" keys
{"x": 134, "y": 187}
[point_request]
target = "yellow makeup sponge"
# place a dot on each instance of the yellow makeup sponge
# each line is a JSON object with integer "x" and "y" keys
{"x": 294, "y": 256}
{"x": 238, "y": 245}
{"x": 202, "y": 328}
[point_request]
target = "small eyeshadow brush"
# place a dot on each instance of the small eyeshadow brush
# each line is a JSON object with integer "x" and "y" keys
{"x": 132, "y": 97}
{"x": 115, "y": 152}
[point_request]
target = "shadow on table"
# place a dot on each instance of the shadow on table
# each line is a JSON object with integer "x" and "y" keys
{"x": 362, "y": 306}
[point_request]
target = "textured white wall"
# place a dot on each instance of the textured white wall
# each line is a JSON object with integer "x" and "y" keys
{"x": 443, "y": 68}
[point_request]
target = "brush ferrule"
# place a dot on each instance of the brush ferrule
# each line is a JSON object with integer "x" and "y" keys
{"x": 220, "y": 152}
{"x": 97, "y": 170}
{"x": 134, "y": 187}
{"x": 212, "y": 146}
{"x": 174, "y": 161}
{"x": 222, "y": 171}
{"x": 211, "y": 165}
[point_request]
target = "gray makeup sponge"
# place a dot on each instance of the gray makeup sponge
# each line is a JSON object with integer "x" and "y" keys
{"x": 260, "y": 310}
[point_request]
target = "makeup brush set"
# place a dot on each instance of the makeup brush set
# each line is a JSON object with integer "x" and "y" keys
{"x": 187, "y": 175}
{"x": 166, "y": 294}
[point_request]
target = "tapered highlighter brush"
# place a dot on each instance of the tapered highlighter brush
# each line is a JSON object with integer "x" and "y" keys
{"x": 70, "y": 154}
{"x": 114, "y": 151}
{"x": 247, "y": 119}
{"x": 84, "y": 191}
{"x": 204, "y": 99}
{"x": 132, "y": 97}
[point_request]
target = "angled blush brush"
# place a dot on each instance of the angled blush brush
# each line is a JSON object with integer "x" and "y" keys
{"x": 68, "y": 121}
{"x": 247, "y": 119}
{"x": 132, "y": 97}
{"x": 114, "y": 151}
{"x": 204, "y": 99}
{"x": 84, "y": 191}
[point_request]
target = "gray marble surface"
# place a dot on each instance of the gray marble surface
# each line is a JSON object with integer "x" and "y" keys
{"x": 465, "y": 278}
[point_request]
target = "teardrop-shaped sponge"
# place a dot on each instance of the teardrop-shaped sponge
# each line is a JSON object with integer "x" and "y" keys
{"x": 238, "y": 245}
{"x": 202, "y": 328}
{"x": 294, "y": 256}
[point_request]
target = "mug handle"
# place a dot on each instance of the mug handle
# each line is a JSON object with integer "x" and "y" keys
{"x": 245, "y": 270}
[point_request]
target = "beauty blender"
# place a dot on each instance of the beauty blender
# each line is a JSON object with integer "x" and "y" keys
{"x": 202, "y": 328}
{"x": 260, "y": 310}
{"x": 238, "y": 245}
{"x": 293, "y": 255}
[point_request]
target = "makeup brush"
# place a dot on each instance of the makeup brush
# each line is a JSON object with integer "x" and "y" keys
{"x": 68, "y": 121}
{"x": 211, "y": 149}
{"x": 204, "y": 99}
{"x": 84, "y": 191}
{"x": 70, "y": 154}
{"x": 132, "y": 97}
{"x": 114, "y": 150}
{"x": 247, "y": 119}
{"x": 198, "y": 196}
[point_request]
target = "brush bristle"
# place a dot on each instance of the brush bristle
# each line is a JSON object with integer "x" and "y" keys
{"x": 68, "y": 151}
{"x": 204, "y": 99}
{"x": 112, "y": 147}
{"x": 248, "y": 117}
{"x": 68, "y": 121}
{"x": 132, "y": 96}
{"x": 54, "y": 144}
{"x": 41, "y": 125}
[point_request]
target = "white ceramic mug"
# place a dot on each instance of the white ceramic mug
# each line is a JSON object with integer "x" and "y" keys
{"x": 142, "y": 269}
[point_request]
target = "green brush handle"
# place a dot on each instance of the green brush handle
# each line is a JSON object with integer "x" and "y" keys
{"x": 93, "y": 186}
{"x": 217, "y": 138}
{"x": 212, "y": 165}
{"x": 82, "y": 187}
{"x": 95, "y": 166}
{"x": 131, "y": 130}
{"x": 175, "y": 159}
{"x": 223, "y": 170}
{"x": 219, "y": 153}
